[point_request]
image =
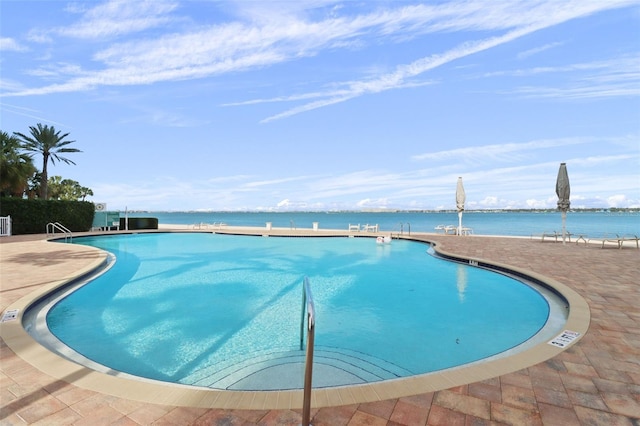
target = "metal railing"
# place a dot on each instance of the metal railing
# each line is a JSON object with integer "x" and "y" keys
{"x": 308, "y": 308}
{"x": 400, "y": 229}
{"x": 51, "y": 230}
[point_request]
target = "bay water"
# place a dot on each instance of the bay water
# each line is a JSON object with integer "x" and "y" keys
{"x": 592, "y": 224}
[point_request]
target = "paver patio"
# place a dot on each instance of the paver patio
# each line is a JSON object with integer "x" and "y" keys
{"x": 594, "y": 382}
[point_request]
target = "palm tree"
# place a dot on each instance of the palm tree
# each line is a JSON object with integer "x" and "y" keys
{"x": 46, "y": 141}
{"x": 16, "y": 168}
{"x": 85, "y": 192}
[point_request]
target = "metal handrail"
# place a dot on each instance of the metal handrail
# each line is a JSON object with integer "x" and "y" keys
{"x": 52, "y": 226}
{"x": 402, "y": 228}
{"x": 308, "y": 307}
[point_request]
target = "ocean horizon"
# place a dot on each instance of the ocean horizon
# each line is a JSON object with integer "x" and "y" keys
{"x": 495, "y": 222}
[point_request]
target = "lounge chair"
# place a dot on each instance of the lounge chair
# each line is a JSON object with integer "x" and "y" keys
{"x": 620, "y": 239}
{"x": 354, "y": 227}
{"x": 556, "y": 235}
{"x": 582, "y": 237}
{"x": 450, "y": 229}
{"x": 370, "y": 228}
{"x": 624, "y": 238}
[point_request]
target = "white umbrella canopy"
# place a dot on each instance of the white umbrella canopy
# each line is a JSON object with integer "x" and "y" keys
{"x": 460, "y": 199}
{"x": 563, "y": 190}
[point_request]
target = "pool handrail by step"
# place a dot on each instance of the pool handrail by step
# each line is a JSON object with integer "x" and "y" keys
{"x": 308, "y": 307}
{"x": 52, "y": 226}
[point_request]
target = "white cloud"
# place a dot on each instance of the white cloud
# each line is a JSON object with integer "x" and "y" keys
{"x": 618, "y": 200}
{"x": 239, "y": 46}
{"x": 28, "y": 112}
{"x": 117, "y": 17}
{"x": 525, "y": 24}
{"x": 537, "y": 204}
{"x": 398, "y": 78}
{"x": 498, "y": 151}
{"x": 8, "y": 44}
{"x": 537, "y": 50}
{"x": 615, "y": 77}
{"x": 373, "y": 203}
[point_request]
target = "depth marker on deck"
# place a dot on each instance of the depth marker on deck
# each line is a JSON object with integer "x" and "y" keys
{"x": 564, "y": 339}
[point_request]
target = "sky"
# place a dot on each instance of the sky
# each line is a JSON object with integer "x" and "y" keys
{"x": 324, "y": 105}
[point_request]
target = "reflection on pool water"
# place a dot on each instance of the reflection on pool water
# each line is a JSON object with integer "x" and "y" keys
{"x": 224, "y": 311}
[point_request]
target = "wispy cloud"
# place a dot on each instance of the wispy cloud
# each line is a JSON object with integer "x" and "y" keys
{"x": 117, "y": 17}
{"x": 8, "y": 44}
{"x": 245, "y": 45}
{"x": 626, "y": 64}
{"x": 27, "y": 112}
{"x": 599, "y": 91}
{"x": 501, "y": 152}
{"x": 616, "y": 77}
{"x": 539, "y": 49}
{"x": 398, "y": 78}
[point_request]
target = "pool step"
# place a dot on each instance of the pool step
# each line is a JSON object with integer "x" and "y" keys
{"x": 281, "y": 370}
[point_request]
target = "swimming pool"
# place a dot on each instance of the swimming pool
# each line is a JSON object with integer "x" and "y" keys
{"x": 223, "y": 311}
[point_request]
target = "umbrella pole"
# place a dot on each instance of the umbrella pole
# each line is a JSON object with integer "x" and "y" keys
{"x": 564, "y": 226}
{"x": 459, "y": 223}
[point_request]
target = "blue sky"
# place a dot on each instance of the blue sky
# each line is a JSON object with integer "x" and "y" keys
{"x": 322, "y": 105}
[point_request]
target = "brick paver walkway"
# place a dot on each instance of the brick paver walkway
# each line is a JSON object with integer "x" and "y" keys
{"x": 595, "y": 382}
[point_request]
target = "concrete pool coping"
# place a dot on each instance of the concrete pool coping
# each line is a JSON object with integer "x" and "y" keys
{"x": 180, "y": 395}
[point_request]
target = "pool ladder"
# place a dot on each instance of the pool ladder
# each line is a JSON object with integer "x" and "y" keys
{"x": 308, "y": 308}
{"x": 401, "y": 227}
{"x": 51, "y": 230}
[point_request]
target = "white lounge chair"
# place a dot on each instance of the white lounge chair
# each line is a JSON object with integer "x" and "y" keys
{"x": 450, "y": 229}
{"x": 624, "y": 238}
{"x": 620, "y": 239}
{"x": 355, "y": 228}
{"x": 556, "y": 235}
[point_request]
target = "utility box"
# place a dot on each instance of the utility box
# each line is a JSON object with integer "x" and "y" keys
{"x": 106, "y": 220}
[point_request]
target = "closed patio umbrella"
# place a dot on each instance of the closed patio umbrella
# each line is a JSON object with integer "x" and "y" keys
{"x": 563, "y": 190}
{"x": 460, "y": 199}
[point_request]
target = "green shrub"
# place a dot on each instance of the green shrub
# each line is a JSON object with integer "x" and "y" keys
{"x": 32, "y": 216}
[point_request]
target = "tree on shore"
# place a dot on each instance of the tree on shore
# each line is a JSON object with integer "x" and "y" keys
{"x": 16, "y": 167}
{"x": 67, "y": 189}
{"x": 50, "y": 143}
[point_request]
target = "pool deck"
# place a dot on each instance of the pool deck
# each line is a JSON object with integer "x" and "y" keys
{"x": 596, "y": 381}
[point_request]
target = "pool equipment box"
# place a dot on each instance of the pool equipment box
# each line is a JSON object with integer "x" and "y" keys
{"x": 139, "y": 223}
{"x": 106, "y": 220}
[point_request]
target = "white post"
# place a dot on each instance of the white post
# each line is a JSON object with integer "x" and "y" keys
{"x": 564, "y": 225}
{"x": 459, "y": 223}
{"x": 126, "y": 219}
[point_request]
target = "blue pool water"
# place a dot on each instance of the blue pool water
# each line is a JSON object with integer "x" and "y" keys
{"x": 199, "y": 308}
